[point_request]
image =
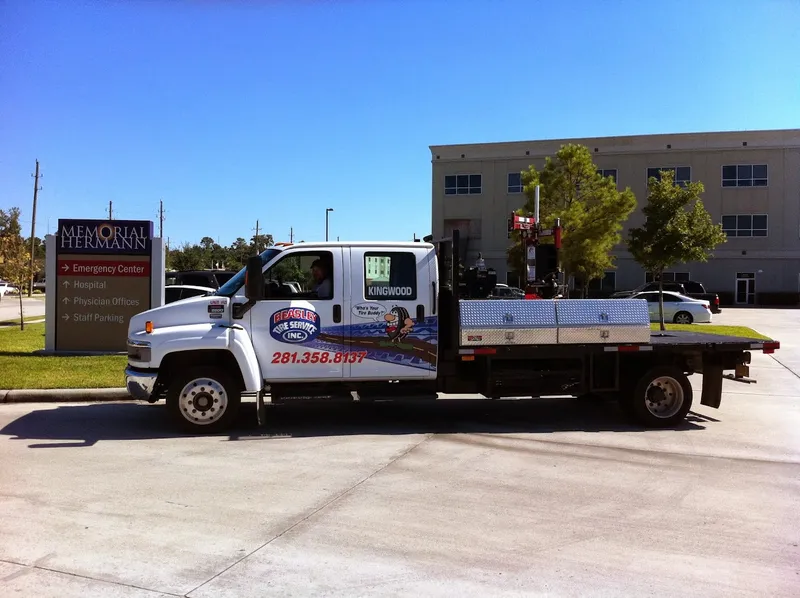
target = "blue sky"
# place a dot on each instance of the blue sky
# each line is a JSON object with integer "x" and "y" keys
{"x": 242, "y": 110}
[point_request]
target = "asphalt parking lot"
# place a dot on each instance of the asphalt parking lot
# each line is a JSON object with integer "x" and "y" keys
{"x": 553, "y": 497}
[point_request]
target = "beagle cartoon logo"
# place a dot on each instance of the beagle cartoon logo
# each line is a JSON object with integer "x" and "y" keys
{"x": 398, "y": 324}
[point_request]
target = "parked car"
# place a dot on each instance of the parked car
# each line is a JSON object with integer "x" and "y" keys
{"x": 40, "y": 285}
{"x": 503, "y": 291}
{"x": 177, "y": 292}
{"x": 199, "y": 278}
{"x": 6, "y": 288}
{"x": 678, "y": 308}
{"x": 687, "y": 288}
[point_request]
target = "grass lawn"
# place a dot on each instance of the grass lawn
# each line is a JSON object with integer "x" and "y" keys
{"x": 19, "y": 368}
{"x": 743, "y": 331}
{"x": 7, "y": 323}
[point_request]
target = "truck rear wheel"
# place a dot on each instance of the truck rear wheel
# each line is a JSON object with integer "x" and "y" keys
{"x": 661, "y": 398}
{"x": 203, "y": 400}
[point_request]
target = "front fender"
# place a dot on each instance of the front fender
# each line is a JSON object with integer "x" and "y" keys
{"x": 242, "y": 348}
{"x": 208, "y": 336}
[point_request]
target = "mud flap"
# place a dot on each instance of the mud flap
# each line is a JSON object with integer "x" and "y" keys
{"x": 712, "y": 385}
{"x": 261, "y": 409}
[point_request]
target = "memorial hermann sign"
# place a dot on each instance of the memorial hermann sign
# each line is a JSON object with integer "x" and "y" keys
{"x": 103, "y": 279}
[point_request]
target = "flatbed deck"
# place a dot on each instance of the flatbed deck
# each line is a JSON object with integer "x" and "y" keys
{"x": 708, "y": 341}
{"x": 646, "y": 371}
{"x": 678, "y": 340}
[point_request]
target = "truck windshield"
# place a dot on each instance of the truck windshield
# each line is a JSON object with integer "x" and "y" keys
{"x": 235, "y": 283}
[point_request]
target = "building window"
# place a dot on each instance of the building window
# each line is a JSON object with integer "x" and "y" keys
{"x": 667, "y": 277}
{"x": 390, "y": 276}
{"x": 682, "y": 174}
{"x": 607, "y": 284}
{"x": 462, "y": 184}
{"x": 612, "y": 172}
{"x": 744, "y": 175}
{"x": 515, "y": 182}
{"x": 745, "y": 225}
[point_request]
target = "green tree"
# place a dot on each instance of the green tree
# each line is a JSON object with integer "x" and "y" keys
{"x": 238, "y": 253}
{"x": 590, "y": 207}
{"x": 187, "y": 257}
{"x": 39, "y": 253}
{"x": 14, "y": 256}
{"x": 677, "y": 229}
{"x": 260, "y": 243}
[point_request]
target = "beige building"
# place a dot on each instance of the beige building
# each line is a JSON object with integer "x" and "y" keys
{"x": 752, "y": 186}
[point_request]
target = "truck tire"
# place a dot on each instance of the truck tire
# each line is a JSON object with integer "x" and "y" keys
{"x": 661, "y": 398}
{"x": 203, "y": 400}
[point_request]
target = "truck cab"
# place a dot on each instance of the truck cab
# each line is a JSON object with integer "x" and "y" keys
{"x": 328, "y": 320}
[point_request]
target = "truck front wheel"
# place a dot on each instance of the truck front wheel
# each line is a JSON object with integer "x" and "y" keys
{"x": 203, "y": 400}
{"x": 661, "y": 398}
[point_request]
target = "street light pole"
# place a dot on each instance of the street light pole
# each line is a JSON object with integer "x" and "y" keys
{"x": 327, "y": 212}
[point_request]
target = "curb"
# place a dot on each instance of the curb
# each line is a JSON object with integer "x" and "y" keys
{"x": 65, "y": 395}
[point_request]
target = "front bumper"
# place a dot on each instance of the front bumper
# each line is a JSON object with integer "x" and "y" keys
{"x": 140, "y": 383}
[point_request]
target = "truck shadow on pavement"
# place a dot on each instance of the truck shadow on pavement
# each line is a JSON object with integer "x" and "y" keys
{"x": 85, "y": 425}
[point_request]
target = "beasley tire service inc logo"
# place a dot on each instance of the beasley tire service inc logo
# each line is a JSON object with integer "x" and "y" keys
{"x": 294, "y": 325}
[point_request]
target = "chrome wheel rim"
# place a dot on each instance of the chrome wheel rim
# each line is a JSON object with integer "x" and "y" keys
{"x": 664, "y": 397}
{"x": 203, "y": 401}
{"x": 683, "y": 319}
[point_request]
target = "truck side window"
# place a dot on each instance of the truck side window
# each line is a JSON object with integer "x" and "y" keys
{"x": 390, "y": 276}
{"x": 301, "y": 275}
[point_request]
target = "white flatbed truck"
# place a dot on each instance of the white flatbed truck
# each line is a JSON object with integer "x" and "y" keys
{"x": 395, "y": 326}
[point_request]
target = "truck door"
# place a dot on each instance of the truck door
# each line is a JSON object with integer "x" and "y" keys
{"x": 297, "y": 331}
{"x": 393, "y": 328}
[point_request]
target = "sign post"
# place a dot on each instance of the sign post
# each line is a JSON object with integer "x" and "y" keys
{"x": 103, "y": 276}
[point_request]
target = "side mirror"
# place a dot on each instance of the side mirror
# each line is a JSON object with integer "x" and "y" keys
{"x": 254, "y": 279}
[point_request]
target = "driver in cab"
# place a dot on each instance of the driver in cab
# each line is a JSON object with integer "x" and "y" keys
{"x": 321, "y": 274}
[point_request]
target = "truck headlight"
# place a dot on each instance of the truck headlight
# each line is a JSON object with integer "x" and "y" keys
{"x": 138, "y": 350}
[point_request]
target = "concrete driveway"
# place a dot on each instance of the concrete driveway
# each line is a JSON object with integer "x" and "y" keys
{"x": 459, "y": 498}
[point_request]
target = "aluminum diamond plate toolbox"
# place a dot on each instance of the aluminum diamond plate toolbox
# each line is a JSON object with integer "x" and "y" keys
{"x": 583, "y": 321}
{"x": 508, "y": 322}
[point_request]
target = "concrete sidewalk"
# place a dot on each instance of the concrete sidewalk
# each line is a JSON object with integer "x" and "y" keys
{"x": 61, "y": 395}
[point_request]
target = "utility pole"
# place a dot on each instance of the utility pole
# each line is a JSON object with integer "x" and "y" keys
{"x": 255, "y": 239}
{"x": 161, "y": 218}
{"x": 327, "y": 213}
{"x": 110, "y": 214}
{"x": 33, "y": 227}
{"x": 291, "y": 235}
